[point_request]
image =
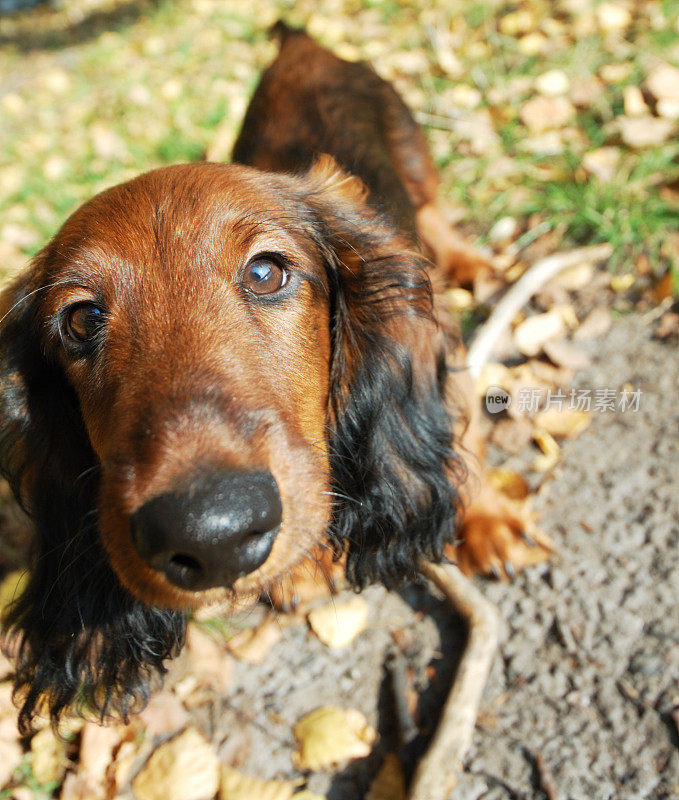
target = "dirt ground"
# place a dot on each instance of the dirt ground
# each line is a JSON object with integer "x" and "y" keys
{"x": 580, "y": 700}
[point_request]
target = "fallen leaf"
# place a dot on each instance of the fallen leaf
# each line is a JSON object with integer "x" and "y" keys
{"x": 338, "y": 624}
{"x": 97, "y": 743}
{"x": 532, "y": 44}
{"x": 621, "y": 283}
{"x": 329, "y": 736}
{"x": 595, "y": 324}
{"x": 48, "y": 760}
{"x": 459, "y": 299}
{"x": 11, "y": 754}
{"x": 164, "y": 714}
{"x": 552, "y": 83}
{"x": 512, "y": 435}
{"x": 574, "y": 278}
{"x": 517, "y": 22}
{"x": 503, "y": 230}
{"x": 663, "y": 82}
{"x": 667, "y": 326}
{"x": 389, "y": 783}
{"x": 531, "y": 334}
{"x": 616, "y": 73}
{"x": 235, "y": 785}
{"x": 551, "y": 451}
{"x": 253, "y": 645}
{"x": 542, "y": 113}
{"x": 633, "y": 102}
{"x": 509, "y": 482}
{"x": 563, "y": 423}
{"x": 602, "y": 163}
{"x": 185, "y": 768}
{"x": 564, "y": 354}
{"x": 613, "y": 17}
{"x": 208, "y": 659}
{"x": 646, "y": 131}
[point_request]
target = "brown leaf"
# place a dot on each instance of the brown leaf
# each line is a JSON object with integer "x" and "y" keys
{"x": 668, "y": 325}
{"x": 185, "y": 768}
{"x": 329, "y": 736}
{"x": 509, "y": 482}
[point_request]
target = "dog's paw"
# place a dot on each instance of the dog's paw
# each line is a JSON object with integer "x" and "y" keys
{"x": 312, "y": 579}
{"x": 499, "y": 542}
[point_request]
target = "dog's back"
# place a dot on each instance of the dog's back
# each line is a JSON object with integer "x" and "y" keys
{"x": 309, "y": 102}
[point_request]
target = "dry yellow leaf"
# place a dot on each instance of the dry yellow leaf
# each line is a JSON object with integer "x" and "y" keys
{"x": 49, "y": 756}
{"x": 330, "y": 735}
{"x": 208, "y": 659}
{"x": 533, "y": 332}
{"x": 338, "y": 624}
{"x": 509, "y": 482}
{"x": 389, "y": 783}
{"x": 253, "y": 645}
{"x": 564, "y": 422}
{"x": 236, "y": 786}
{"x": 185, "y": 768}
{"x": 551, "y": 451}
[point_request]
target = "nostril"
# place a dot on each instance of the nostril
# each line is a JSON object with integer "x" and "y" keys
{"x": 184, "y": 570}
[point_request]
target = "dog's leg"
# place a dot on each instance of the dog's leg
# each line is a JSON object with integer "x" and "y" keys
{"x": 456, "y": 258}
{"x": 498, "y": 535}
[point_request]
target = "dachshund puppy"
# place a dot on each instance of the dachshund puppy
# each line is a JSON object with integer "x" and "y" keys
{"x": 214, "y": 373}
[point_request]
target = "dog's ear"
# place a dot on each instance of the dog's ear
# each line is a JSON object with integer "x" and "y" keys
{"x": 393, "y": 464}
{"x": 80, "y": 641}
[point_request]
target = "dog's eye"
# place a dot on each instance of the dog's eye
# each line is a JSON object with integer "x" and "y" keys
{"x": 264, "y": 276}
{"x": 83, "y": 322}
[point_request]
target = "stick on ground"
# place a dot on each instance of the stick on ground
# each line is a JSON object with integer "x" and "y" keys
{"x": 437, "y": 772}
{"x": 519, "y": 294}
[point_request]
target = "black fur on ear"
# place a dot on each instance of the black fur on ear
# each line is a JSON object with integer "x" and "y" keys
{"x": 80, "y": 641}
{"x": 394, "y": 469}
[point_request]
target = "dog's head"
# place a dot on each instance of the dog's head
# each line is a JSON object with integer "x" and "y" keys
{"x": 209, "y": 372}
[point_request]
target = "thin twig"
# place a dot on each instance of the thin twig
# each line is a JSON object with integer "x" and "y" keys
{"x": 437, "y": 772}
{"x": 519, "y": 294}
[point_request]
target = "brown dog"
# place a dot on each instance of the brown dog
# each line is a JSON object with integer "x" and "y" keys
{"x": 216, "y": 373}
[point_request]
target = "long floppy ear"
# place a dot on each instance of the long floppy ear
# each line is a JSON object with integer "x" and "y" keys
{"x": 392, "y": 443}
{"x": 80, "y": 641}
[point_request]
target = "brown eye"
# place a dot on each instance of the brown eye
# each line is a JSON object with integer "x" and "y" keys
{"x": 83, "y": 322}
{"x": 264, "y": 276}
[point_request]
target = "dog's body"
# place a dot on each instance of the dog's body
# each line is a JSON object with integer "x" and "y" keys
{"x": 214, "y": 373}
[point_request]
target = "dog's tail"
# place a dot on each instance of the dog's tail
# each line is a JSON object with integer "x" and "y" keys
{"x": 281, "y": 32}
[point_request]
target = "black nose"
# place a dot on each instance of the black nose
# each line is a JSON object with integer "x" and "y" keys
{"x": 222, "y": 526}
